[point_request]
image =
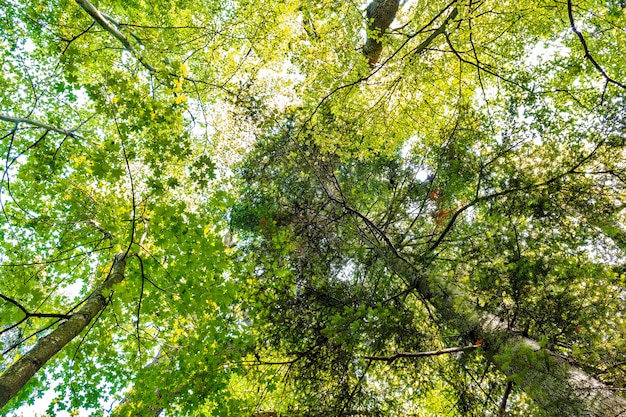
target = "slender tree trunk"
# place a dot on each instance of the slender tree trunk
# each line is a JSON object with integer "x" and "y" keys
{"x": 18, "y": 374}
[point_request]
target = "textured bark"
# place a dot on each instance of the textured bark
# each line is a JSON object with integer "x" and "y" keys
{"x": 380, "y": 14}
{"x": 556, "y": 384}
{"x": 18, "y": 374}
{"x": 559, "y": 386}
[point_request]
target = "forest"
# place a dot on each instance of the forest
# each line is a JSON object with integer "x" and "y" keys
{"x": 313, "y": 208}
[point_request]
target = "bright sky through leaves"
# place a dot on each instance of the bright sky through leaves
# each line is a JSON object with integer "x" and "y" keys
{"x": 321, "y": 208}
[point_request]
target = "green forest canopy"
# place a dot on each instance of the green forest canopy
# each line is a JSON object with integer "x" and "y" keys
{"x": 314, "y": 208}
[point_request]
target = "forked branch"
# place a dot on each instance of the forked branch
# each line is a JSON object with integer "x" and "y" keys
{"x": 20, "y": 372}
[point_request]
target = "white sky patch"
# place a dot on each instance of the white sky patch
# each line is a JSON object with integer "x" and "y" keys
{"x": 346, "y": 273}
{"x": 544, "y": 51}
{"x": 284, "y": 81}
{"x": 421, "y": 173}
{"x": 29, "y": 46}
{"x": 72, "y": 290}
{"x": 407, "y": 147}
{"x": 39, "y": 407}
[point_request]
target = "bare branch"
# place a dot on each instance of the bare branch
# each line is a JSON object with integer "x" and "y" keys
{"x": 20, "y": 120}
{"x": 421, "y": 354}
{"x": 588, "y": 55}
{"x": 102, "y": 20}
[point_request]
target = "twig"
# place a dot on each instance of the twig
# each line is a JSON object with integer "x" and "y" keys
{"x": 29, "y": 314}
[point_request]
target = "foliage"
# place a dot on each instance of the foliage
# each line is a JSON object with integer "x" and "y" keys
{"x": 291, "y": 210}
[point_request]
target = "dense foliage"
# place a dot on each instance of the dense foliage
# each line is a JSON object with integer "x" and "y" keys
{"x": 232, "y": 208}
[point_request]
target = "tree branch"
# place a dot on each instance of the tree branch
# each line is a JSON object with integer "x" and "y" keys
{"x": 588, "y": 55}
{"x": 421, "y": 354}
{"x": 505, "y": 398}
{"x": 20, "y": 372}
{"x": 18, "y": 120}
{"x": 104, "y": 21}
{"x": 441, "y": 29}
{"x": 29, "y": 314}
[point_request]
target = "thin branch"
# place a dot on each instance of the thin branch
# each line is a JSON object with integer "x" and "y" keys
{"x": 75, "y": 37}
{"x": 588, "y": 55}
{"x": 421, "y": 354}
{"x": 56, "y": 260}
{"x": 132, "y": 188}
{"x": 396, "y": 296}
{"x": 441, "y": 29}
{"x": 143, "y": 283}
{"x": 503, "y": 193}
{"x": 261, "y": 362}
{"x": 483, "y": 67}
{"x": 344, "y": 409}
{"x": 29, "y": 314}
{"x": 15, "y": 303}
{"x": 505, "y": 398}
{"x": 24, "y": 339}
{"x": 21, "y": 120}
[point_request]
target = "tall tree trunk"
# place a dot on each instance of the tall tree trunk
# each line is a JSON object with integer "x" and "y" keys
{"x": 18, "y": 374}
{"x": 559, "y": 386}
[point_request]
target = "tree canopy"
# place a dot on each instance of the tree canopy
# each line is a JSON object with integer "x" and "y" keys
{"x": 313, "y": 208}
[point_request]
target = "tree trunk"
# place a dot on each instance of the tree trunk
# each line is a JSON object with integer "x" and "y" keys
{"x": 380, "y": 14}
{"x": 18, "y": 374}
{"x": 556, "y": 384}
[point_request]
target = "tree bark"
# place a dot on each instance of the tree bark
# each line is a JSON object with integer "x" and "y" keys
{"x": 18, "y": 374}
{"x": 556, "y": 384}
{"x": 380, "y": 14}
